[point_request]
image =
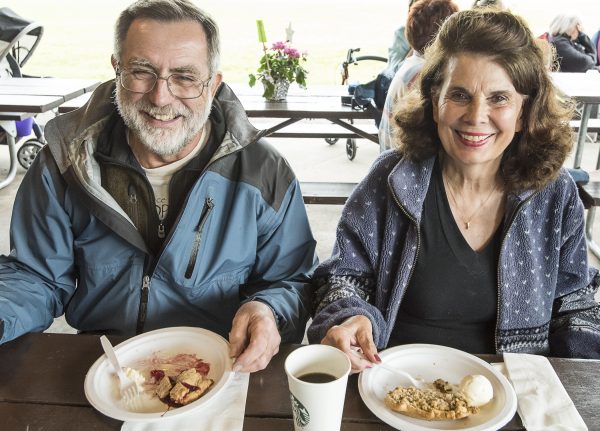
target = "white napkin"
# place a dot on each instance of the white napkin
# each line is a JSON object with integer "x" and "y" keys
{"x": 225, "y": 412}
{"x": 543, "y": 402}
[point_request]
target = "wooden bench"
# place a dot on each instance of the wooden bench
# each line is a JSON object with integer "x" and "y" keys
{"x": 321, "y": 193}
{"x": 593, "y": 125}
{"x": 75, "y": 103}
{"x": 14, "y": 116}
{"x": 590, "y": 196}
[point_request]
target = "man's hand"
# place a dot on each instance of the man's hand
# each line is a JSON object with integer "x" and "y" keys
{"x": 254, "y": 338}
{"x": 354, "y": 337}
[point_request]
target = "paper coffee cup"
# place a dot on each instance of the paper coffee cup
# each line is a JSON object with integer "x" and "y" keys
{"x": 317, "y": 378}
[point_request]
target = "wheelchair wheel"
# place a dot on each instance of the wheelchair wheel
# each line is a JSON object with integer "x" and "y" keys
{"x": 26, "y": 154}
{"x": 331, "y": 141}
{"x": 351, "y": 148}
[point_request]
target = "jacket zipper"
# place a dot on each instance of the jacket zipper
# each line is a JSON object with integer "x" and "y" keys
{"x": 143, "y": 310}
{"x": 512, "y": 220}
{"x": 145, "y": 288}
{"x": 208, "y": 206}
{"x": 414, "y": 264}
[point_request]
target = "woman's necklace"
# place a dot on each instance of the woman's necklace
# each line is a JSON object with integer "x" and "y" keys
{"x": 467, "y": 222}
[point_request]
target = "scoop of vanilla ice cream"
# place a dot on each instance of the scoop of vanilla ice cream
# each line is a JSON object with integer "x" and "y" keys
{"x": 477, "y": 389}
{"x": 136, "y": 376}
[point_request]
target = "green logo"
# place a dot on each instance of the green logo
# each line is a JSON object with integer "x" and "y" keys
{"x": 301, "y": 415}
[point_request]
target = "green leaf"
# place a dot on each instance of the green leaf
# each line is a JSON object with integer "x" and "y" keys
{"x": 269, "y": 89}
{"x": 252, "y": 80}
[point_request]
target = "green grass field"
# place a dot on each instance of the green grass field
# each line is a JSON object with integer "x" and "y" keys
{"x": 78, "y": 33}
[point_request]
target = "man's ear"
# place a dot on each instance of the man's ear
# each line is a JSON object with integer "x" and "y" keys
{"x": 216, "y": 81}
{"x": 114, "y": 62}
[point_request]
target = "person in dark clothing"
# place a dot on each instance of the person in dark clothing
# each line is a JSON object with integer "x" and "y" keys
{"x": 574, "y": 50}
{"x": 471, "y": 233}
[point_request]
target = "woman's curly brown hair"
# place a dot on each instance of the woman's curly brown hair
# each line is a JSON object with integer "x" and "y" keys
{"x": 537, "y": 153}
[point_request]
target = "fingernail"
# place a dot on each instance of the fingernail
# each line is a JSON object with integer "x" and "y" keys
{"x": 236, "y": 368}
{"x": 377, "y": 358}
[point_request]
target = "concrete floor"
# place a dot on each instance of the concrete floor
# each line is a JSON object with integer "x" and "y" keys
{"x": 311, "y": 159}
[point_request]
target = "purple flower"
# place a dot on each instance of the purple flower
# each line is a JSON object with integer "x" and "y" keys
{"x": 292, "y": 52}
{"x": 278, "y": 45}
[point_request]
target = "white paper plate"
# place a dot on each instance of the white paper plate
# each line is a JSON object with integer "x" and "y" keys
{"x": 102, "y": 388}
{"x": 430, "y": 362}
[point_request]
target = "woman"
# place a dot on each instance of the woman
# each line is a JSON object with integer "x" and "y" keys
{"x": 469, "y": 234}
{"x": 574, "y": 49}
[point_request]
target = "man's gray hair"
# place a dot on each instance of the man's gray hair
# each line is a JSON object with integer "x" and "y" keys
{"x": 563, "y": 24}
{"x": 170, "y": 11}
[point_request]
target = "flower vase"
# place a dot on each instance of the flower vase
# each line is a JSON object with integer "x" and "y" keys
{"x": 280, "y": 92}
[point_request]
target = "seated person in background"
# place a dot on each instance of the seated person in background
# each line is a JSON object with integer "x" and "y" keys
{"x": 488, "y": 3}
{"x": 424, "y": 20}
{"x": 470, "y": 234}
{"x": 574, "y": 49}
{"x": 400, "y": 46}
{"x": 596, "y": 44}
{"x": 158, "y": 204}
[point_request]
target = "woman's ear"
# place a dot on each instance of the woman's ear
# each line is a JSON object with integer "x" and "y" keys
{"x": 519, "y": 124}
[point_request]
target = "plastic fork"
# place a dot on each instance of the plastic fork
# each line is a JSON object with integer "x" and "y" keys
{"x": 417, "y": 383}
{"x": 128, "y": 389}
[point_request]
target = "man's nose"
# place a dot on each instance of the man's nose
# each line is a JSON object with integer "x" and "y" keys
{"x": 160, "y": 95}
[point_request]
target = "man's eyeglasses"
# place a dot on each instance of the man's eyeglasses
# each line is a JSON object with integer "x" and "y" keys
{"x": 180, "y": 85}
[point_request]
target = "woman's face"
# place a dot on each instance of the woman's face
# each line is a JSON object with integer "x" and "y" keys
{"x": 477, "y": 110}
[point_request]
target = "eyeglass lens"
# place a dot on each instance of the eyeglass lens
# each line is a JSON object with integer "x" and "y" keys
{"x": 180, "y": 85}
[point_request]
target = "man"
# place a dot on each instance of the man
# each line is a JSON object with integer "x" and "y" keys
{"x": 167, "y": 209}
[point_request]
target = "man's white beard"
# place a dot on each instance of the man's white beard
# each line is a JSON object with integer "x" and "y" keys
{"x": 164, "y": 142}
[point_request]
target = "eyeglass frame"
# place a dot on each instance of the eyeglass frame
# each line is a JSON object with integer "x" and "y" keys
{"x": 203, "y": 84}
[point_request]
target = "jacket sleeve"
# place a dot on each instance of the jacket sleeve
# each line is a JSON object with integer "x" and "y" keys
{"x": 347, "y": 282}
{"x": 285, "y": 260}
{"x": 36, "y": 278}
{"x": 346, "y": 285}
{"x": 575, "y": 324}
{"x": 572, "y": 58}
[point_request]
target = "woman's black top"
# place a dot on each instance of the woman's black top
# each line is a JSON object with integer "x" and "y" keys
{"x": 452, "y": 295}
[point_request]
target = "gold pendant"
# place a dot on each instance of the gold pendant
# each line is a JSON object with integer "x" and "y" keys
{"x": 468, "y": 225}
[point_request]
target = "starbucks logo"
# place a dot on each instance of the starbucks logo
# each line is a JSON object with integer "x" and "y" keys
{"x": 301, "y": 415}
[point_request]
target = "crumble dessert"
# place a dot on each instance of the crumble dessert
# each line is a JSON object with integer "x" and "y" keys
{"x": 441, "y": 402}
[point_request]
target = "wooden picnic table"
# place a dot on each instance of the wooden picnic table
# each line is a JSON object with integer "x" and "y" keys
{"x": 585, "y": 88}
{"x": 42, "y": 376}
{"x": 23, "y": 97}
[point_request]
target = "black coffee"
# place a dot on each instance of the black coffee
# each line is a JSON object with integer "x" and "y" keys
{"x": 317, "y": 378}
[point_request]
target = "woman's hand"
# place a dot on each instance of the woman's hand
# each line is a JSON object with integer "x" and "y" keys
{"x": 354, "y": 337}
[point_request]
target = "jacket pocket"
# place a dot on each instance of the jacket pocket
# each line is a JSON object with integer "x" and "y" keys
{"x": 206, "y": 210}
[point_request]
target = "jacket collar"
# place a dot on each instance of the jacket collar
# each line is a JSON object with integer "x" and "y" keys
{"x": 409, "y": 182}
